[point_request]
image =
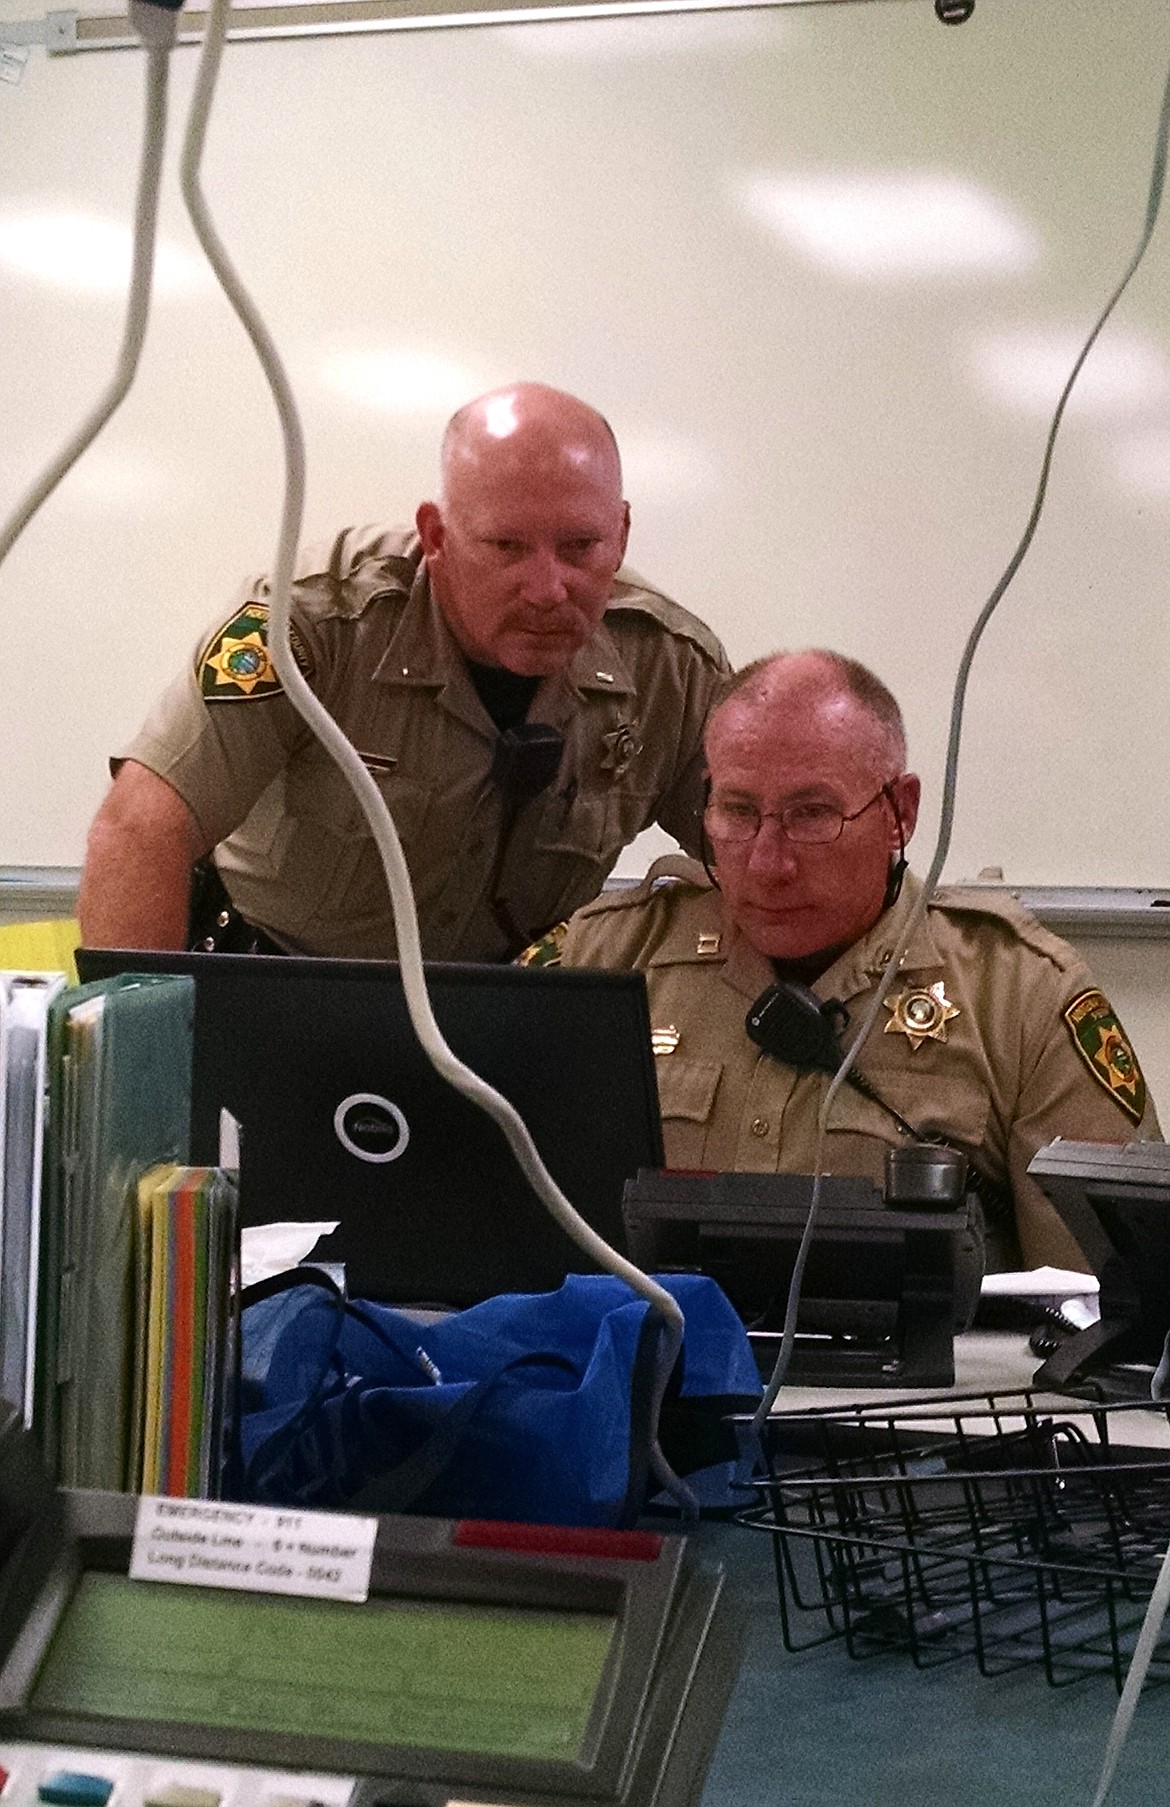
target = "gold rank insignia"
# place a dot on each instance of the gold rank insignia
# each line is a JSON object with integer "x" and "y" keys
{"x": 921, "y": 1014}
{"x": 1105, "y": 1049}
{"x": 708, "y": 944}
{"x": 665, "y": 1040}
{"x": 236, "y": 665}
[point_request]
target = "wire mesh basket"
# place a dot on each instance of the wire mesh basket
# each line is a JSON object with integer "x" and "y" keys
{"x": 986, "y": 1526}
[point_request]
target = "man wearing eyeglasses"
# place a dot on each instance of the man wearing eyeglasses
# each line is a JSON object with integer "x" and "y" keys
{"x": 993, "y": 1036}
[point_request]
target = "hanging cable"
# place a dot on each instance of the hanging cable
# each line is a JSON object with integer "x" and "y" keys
{"x": 372, "y": 802}
{"x": 157, "y": 27}
{"x": 950, "y": 780}
{"x": 1138, "y": 1665}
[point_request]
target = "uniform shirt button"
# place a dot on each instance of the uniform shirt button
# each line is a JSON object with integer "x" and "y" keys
{"x": 760, "y": 1126}
{"x": 223, "y": 918}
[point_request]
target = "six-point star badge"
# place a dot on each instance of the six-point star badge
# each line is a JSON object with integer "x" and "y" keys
{"x": 921, "y": 1014}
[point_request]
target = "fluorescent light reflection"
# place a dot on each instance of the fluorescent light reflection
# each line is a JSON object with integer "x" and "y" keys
{"x": 1142, "y": 462}
{"x": 910, "y": 223}
{"x": 1123, "y": 374}
{"x": 400, "y": 382}
{"x": 87, "y": 254}
{"x": 500, "y": 416}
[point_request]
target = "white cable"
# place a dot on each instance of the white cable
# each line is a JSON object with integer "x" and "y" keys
{"x": 373, "y": 803}
{"x": 157, "y": 27}
{"x": 1138, "y": 1665}
{"x": 950, "y": 780}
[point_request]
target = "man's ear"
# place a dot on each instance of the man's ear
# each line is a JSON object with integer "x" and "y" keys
{"x": 908, "y": 795}
{"x": 429, "y": 523}
{"x": 625, "y": 529}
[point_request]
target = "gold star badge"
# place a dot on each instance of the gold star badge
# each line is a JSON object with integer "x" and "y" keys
{"x": 244, "y": 663}
{"x": 236, "y": 664}
{"x": 921, "y": 1014}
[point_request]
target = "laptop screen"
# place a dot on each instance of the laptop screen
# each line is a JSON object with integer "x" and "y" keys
{"x": 343, "y": 1116}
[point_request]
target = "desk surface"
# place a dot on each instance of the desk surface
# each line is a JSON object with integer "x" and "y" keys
{"x": 986, "y": 1361}
{"x": 818, "y": 1729}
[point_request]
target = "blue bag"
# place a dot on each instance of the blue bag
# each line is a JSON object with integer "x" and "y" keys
{"x": 530, "y": 1406}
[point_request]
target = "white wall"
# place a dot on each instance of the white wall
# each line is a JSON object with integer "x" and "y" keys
{"x": 816, "y": 452}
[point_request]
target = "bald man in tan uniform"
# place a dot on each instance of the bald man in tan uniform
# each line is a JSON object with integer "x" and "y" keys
{"x": 453, "y": 656}
{"x": 994, "y": 1034}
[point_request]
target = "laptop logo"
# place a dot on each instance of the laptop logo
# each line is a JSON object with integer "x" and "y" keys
{"x": 369, "y": 1127}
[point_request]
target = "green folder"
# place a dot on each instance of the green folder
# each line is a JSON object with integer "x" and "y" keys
{"x": 119, "y": 1103}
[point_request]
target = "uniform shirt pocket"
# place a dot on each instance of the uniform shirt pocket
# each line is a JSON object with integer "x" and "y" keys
{"x": 327, "y": 866}
{"x": 686, "y": 1097}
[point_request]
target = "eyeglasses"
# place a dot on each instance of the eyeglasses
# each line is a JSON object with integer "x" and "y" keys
{"x": 808, "y": 824}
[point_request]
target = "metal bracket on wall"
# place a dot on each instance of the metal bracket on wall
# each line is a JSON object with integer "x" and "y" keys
{"x": 57, "y": 32}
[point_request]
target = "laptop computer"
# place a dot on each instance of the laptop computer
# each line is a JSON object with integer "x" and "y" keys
{"x": 343, "y": 1116}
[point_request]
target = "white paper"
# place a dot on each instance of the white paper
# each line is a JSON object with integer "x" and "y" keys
{"x": 1040, "y": 1283}
{"x": 272, "y": 1248}
{"x": 257, "y": 1549}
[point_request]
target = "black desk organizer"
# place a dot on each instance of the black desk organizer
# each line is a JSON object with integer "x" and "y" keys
{"x": 983, "y": 1527}
{"x": 877, "y": 1306}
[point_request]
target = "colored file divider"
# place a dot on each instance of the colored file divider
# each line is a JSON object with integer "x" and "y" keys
{"x": 184, "y": 1331}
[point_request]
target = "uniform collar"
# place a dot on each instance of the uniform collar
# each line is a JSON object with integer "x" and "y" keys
{"x": 860, "y": 965}
{"x": 700, "y": 935}
{"x": 423, "y": 654}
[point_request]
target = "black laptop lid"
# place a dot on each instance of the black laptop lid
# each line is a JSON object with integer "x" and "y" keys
{"x": 344, "y": 1117}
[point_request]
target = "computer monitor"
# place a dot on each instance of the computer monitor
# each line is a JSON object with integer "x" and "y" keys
{"x": 1115, "y": 1199}
{"x": 343, "y": 1116}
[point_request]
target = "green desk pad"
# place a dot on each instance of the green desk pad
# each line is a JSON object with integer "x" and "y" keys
{"x": 508, "y": 1682}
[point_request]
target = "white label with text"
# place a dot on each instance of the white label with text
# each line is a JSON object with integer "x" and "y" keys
{"x": 262, "y": 1549}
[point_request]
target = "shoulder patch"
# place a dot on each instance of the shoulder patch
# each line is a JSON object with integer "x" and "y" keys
{"x": 236, "y": 666}
{"x": 548, "y": 950}
{"x": 1105, "y": 1049}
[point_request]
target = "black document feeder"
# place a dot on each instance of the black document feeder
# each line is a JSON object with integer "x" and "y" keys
{"x": 877, "y": 1304}
{"x": 652, "y": 1652}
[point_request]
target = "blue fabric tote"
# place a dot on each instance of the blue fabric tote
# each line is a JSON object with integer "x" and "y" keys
{"x": 530, "y": 1406}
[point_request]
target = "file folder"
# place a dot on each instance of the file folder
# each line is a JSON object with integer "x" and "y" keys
{"x": 24, "y": 1004}
{"x": 119, "y": 1102}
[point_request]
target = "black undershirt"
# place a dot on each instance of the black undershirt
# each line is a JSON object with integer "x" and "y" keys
{"x": 808, "y": 969}
{"x": 504, "y": 694}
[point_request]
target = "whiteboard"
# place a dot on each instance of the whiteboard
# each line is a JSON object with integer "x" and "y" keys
{"x": 821, "y": 266}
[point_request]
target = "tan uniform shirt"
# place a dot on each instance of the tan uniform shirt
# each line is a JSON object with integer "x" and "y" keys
{"x": 1004, "y": 1076}
{"x": 294, "y": 848}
